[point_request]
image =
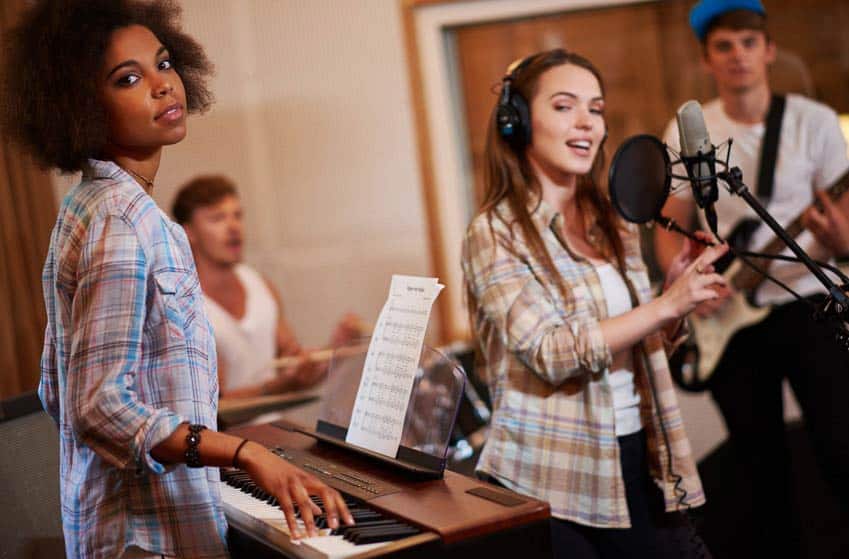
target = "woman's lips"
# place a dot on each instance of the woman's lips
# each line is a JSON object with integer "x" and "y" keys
{"x": 172, "y": 113}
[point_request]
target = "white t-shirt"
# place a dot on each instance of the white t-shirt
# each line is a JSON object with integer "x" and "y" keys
{"x": 247, "y": 346}
{"x": 811, "y": 156}
{"x": 626, "y": 399}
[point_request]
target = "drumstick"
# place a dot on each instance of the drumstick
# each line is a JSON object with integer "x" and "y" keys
{"x": 316, "y": 356}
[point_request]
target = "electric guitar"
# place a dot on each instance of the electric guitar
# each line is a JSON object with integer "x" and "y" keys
{"x": 693, "y": 363}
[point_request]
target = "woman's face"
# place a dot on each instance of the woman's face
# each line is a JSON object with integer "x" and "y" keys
{"x": 143, "y": 95}
{"x": 567, "y": 121}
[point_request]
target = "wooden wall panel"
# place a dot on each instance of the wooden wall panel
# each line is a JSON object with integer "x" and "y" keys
{"x": 648, "y": 56}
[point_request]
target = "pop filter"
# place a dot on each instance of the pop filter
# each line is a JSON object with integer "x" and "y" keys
{"x": 640, "y": 178}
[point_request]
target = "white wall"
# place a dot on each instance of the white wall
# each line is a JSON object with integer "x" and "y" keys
{"x": 313, "y": 121}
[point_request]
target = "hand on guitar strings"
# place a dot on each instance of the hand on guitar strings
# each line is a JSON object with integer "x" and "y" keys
{"x": 829, "y": 223}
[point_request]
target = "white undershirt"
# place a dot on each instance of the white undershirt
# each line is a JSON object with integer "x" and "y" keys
{"x": 811, "y": 156}
{"x": 246, "y": 345}
{"x": 626, "y": 399}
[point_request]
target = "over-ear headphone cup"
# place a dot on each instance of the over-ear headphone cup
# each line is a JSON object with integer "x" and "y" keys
{"x": 523, "y": 112}
{"x": 513, "y": 120}
{"x": 507, "y": 121}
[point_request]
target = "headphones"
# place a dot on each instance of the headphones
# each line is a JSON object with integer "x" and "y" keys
{"x": 513, "y": 116}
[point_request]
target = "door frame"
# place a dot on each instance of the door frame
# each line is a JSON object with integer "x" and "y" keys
{"x": 445, "y": 171}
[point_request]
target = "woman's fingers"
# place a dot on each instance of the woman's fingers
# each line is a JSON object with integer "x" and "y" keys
{"x": 331, "y": 507}
{"x": 289, "y": 512}
{"x": 706, "y": 279}
{"x": 712, "y": 254}
{"x": 342, "y": 509}
{"x": 299, "y": 492}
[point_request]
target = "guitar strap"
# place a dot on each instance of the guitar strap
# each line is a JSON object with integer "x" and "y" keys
{"x": 769, "y": 148}
{"x": 745, "y": 230}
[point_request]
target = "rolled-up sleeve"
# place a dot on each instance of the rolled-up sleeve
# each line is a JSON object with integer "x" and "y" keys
{"x": 108, "y": 313}
{"x": 555, "y": 341}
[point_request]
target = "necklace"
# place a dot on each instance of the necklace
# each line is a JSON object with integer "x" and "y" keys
{"x": 148, "y": 184}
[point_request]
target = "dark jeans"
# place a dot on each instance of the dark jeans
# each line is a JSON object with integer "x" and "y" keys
{"x": 653, "y": 532}
{"x": 747, "y": 386}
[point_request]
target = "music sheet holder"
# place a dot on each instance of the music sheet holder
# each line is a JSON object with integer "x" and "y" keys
{"x": 431, "y": 412}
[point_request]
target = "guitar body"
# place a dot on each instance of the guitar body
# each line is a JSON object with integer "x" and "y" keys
{"x": 693, "y": 363}
{"x": 712, "y": 333}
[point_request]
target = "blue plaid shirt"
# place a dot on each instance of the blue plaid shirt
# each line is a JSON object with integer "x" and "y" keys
{"x": 128, "y": 356}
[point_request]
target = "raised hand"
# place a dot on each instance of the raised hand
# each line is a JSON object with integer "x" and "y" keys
{"x": 692, "y": 280}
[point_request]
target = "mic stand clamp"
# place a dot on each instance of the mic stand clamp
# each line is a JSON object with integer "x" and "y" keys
{"x": 836, "y": 305}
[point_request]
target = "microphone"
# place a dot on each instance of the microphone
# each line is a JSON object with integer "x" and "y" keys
{"x": 639, "y": 181}
{"x": 699, "y": 157}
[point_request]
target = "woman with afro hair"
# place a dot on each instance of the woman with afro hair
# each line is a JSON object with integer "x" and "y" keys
{"x": 128, "y": 369}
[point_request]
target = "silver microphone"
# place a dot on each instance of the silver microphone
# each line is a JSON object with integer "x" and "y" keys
{"x": 697, "y": 153}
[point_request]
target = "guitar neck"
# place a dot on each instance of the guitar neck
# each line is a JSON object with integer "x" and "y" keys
{"x": 747, "y": 279}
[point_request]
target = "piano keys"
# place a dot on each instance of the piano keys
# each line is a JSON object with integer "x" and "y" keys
{"x": 396, "y": 516}
{"x": 249, "y": 508}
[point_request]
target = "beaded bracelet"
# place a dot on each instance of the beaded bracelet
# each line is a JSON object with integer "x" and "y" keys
{"x": 192, "y": 442}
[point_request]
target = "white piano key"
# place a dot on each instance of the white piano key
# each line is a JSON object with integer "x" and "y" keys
{"x": 325, "y": 545}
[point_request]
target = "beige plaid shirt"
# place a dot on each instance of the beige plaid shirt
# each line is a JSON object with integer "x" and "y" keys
{"x": 547, "y": 366}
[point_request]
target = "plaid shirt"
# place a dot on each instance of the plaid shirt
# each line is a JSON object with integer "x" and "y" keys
{"x": 547, "y": 366}
{"x": 128, "y": 356}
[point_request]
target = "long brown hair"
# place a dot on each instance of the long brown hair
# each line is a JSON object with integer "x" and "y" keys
{"x": 508, "y": 175}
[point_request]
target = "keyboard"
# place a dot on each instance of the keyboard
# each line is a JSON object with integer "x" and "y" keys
{"x": 373, "y": 530}
{"x": 454, "y": 517}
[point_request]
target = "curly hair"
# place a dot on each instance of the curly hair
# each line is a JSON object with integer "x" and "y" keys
{"x": 50, "y": 66}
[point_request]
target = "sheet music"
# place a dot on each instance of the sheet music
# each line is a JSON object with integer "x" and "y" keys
{"x": 377, "y": 420}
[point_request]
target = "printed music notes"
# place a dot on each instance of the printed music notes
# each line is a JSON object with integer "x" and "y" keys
{"x": 377, "y": 420}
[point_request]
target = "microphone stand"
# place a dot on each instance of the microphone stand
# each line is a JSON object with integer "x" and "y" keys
{"x": 837, "y": 303}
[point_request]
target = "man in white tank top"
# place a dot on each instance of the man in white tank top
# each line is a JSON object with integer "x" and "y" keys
{"x": 245, "y": 310}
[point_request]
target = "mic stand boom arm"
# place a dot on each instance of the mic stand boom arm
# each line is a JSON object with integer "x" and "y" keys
{"x": 734, "y": 178}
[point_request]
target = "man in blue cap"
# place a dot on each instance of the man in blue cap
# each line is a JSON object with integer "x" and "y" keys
{"x": 747, "y": 383}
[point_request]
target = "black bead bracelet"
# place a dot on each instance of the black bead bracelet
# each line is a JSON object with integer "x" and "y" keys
{"x": 192, "y": 442}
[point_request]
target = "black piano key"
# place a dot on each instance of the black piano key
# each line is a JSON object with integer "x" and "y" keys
{"x": 387, "y": 536}
{"x": 353, "y": 535}
{"x": 346, "y": 531}
{"x": 356, "y": 535}
{"x": 366, "y": 515}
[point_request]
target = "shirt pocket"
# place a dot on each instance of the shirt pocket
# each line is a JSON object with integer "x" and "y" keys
{"x": 179, "y": 304}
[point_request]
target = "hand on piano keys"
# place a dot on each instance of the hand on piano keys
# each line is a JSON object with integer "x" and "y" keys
{"x": 245, "y": 500}
{"x": 290, "y": 487}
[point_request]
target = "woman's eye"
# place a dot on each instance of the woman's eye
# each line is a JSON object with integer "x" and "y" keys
{"x": 128, "y": 80}
{"x": 165, "y": 64}
{"x": 597, "y": 111}
{"x": 562, "y": 107}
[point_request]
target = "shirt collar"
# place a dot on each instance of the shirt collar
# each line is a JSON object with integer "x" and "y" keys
{"x": 99, "y": 169}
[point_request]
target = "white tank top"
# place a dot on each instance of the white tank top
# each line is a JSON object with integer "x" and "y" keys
{"x": 245, "y": 347}
{"x": 626, "y": 399}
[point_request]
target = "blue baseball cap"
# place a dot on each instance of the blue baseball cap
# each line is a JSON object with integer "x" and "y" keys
{"x": 706, "y": 10}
